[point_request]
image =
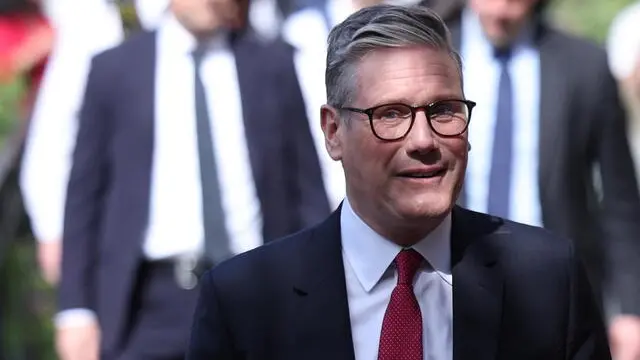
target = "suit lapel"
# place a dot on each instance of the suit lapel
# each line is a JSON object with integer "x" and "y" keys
{"x": 477, "y": 286}
{"x": 321, "y": 297}
{"x": 554, "y": 89}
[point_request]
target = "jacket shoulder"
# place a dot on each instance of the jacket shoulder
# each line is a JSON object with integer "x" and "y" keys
{"x": 515, "y": 240}
{"x": 267, "y": 261}
{"x": 127, "y": 50}
{"x": 582, "y": 50}
{"x": 269, "y": 47}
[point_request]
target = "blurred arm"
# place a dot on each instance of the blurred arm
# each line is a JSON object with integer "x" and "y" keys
{"x": 586, "y": 335}
{"x": 621, "y": 200}
{"x": 53, "y": 125}
{"x": 88, "y": 185}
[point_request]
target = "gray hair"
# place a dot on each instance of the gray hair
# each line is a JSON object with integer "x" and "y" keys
{"x": 376, "y": 27}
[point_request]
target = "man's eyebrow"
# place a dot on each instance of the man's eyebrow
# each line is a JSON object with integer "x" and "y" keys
{"x": 430, "y": 100}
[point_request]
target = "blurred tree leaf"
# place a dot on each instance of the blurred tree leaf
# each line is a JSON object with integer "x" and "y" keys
{"x": 590, "y": 18}
{"x": 11, "y": 96}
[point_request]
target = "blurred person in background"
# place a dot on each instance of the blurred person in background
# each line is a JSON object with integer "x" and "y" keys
{"x": 26, "y": 40}
{"x": 548, "y": 114}
{"x": 623, "y": 48}
{"x": 193, "y": 146}
{"x": 83, "y": 29}
{"x": 307, "y": 30}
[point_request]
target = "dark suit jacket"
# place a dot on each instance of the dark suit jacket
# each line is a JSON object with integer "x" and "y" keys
{"x": 582, "y": 125}
{"x": 108, "y": 197}
{"x": 518, "y": 293}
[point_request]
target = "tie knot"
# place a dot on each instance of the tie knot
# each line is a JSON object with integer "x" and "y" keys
{"x": 502, "y": 54}
{"x": 407, "y": 262}
{"x": 198, "y": 54}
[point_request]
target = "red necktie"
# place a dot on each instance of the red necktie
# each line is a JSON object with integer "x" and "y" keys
{"x": 401, "y": 337}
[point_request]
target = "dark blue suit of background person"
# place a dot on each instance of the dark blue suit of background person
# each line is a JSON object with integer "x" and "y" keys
{"x": 108, "y": 200}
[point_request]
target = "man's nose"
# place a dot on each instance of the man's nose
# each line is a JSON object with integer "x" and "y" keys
{"x": 421, "y": 138}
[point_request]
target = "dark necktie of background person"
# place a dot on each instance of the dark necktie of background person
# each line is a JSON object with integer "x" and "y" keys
{"x": 502, "y": 154}
{"x": 216, "y": 239}
{"x": 401, "y": 336}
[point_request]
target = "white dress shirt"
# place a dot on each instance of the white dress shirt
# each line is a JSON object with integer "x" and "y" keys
{"x": 623, "y": 49}
{"x": 175, "y": 219}
{"x": 265, "y": 18}
{"x": 53, "y": 125}
{"x": 307, "y": 31}
{"x": 51, "y": 139}
{"x": 482, "y": 74}
{"x": 623, "y": 42}
{"x": 151, "y": 12}
{"x": 371, "y": 277}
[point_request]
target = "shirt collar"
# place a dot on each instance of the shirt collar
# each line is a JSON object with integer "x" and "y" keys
{"x": 474, "y": 36}
{"x": 179, "y": 40}
{"x": 370, "y": 254}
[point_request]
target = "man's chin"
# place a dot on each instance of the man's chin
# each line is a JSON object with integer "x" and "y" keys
{"x": 424, "y": 207}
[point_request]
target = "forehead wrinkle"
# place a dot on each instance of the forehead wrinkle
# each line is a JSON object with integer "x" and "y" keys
{"x": 440, "y": 82}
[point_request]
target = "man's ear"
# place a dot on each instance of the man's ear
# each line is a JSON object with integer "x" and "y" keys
{"x": 332, "y": 127}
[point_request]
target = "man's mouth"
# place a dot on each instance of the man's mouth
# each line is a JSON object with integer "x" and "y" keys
{"x": 423, "y": 174}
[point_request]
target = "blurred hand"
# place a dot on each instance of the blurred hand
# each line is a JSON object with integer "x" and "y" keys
{"x": 78, "y": 342}
{"x": 49, "y": 258}
{"x": 624, "y": 337}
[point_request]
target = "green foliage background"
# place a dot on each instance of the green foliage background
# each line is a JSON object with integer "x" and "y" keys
{"x": 590, "y": 18}
{"x": 27, "y": 301}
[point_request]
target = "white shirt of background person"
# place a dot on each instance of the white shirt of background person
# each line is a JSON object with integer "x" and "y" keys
{"x": 623, "y": 50}
{"x": 53, "y": 125}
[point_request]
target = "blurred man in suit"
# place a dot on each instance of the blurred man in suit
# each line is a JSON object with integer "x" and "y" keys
{"x": 193, "y": 146}
{"x": 53, "y": 124}
{"x": 549, "y": 143}
{"x": 399, "y": 272}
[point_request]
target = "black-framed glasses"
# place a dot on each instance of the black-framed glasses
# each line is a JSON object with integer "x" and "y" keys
{"x": 447, "y": 118}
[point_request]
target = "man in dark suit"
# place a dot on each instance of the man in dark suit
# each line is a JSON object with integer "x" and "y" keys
{"x": 193, "y": 146}
{"x": 400, "y": 272}
{"x": 549, "y": 143}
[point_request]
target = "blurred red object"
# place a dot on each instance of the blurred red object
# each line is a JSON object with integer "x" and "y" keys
{"x": 25, "y": 43}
